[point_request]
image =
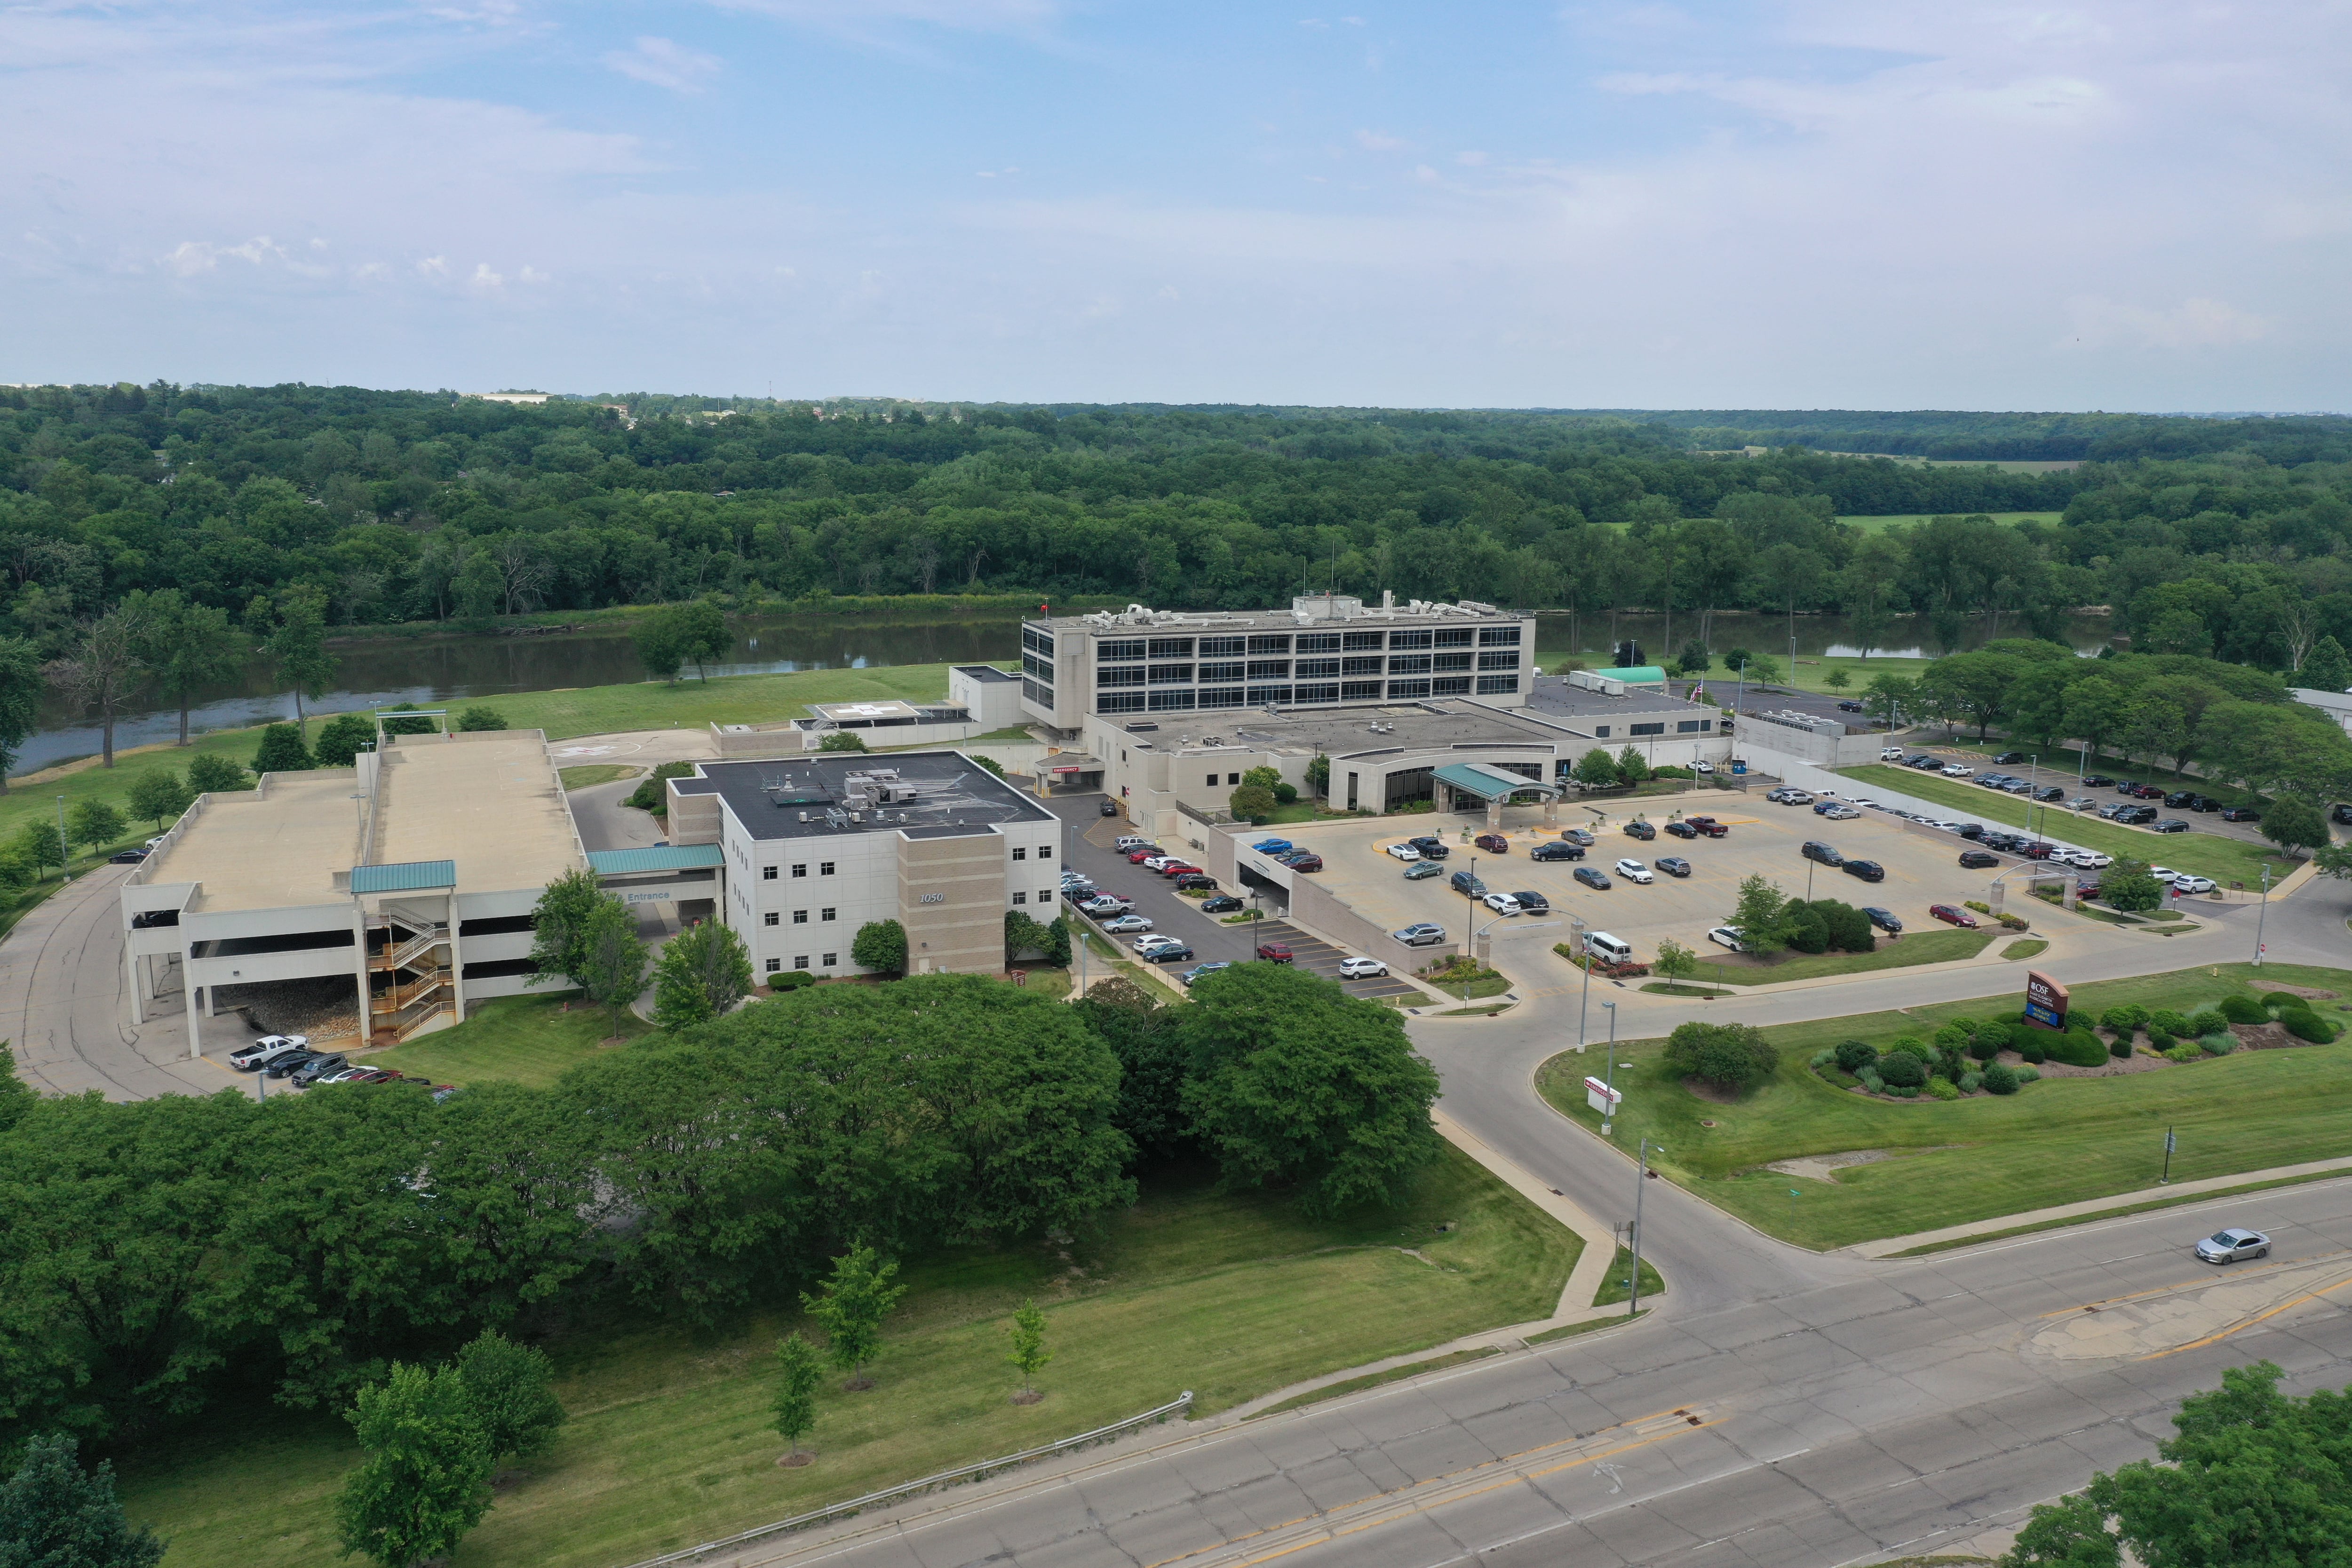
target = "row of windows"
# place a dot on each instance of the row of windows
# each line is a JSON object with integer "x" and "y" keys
{"x": 1129, "y": 649}
{"x": 1038, "y": 693}
{"x": 1114, "y": 677}
{"x": 1045, "y": 897}
{"x": 800, "y": 917}
{"x": 823, "y": 869}
{"x": 1035, "y": 641}
{"x": 832, "y": 960}
{"x": 1307, "y": 692}
{"x": 1499, "y": 661}
{"x": 1682, "y": 726}
{"x": 1037, "y": 668}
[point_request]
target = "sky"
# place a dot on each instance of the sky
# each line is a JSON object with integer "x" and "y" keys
{"x": 1863, "y": 204}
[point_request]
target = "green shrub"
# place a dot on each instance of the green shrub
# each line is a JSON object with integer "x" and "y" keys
{"x": 1971, "y": 1082}
{"x": 1943, "y": 1088}
{"x": 2308, "y": 1025}
{"x": 481, "y": 719}
{"x": 1990, "y": 1039}
{"x": 2031, "y": 1048}
{"x": 1903, "y": 1090}
{"x": 1999, "y": 1080}
{"x": 2124, "y": 1019}
{"x": 2170, "y": 1022}
{"x": 2276, "y": 1000}
{"x": 2027, "y": 1074}
{"x": 1868, "y": 1078}
{"x": 2220, "y": 1043}
{"x": 1953, "y": 1035}
{"x": 2183, "y": 1054}
{"x": 2078, "y": 1048}
{"x": 1901, "y": 1069}
{"x": 791, "y": 979}
{"x": 651, "y": 794}
{"x": 1852, "y": 1056}
{"x": 2120, "y": 1047}
{"x": 2207, "y": 1022}
{"x": 1822, "y": 1058}
{"x": 1981, "y": 908}
{"x": 2243, "y": 1010}
{"x": 2162, "y": 1039}
{"x": 1911, "y": 1045}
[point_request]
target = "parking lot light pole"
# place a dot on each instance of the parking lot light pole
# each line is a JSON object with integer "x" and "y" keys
{"x": 2262, "y": 914}
{"x": 1608, "y": 1095}
{"x": 1585, "y": 1002}
{"x": 1634, "y": 1275}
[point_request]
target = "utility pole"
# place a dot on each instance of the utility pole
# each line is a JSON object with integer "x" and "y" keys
{"x": 2261, "y": 915}
{"x": 1584, "y": 1003}
{"x": 1633, "y": 1278}
{"x": 65, "y": 850}
{"x": 1609, "y": 1098}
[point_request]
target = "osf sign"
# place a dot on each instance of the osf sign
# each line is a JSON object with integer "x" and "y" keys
{"x": 2045, "y": 1001}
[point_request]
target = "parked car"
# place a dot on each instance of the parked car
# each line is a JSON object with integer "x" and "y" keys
{"x": 291, "y": 1062}
{"x": 1107, "y": 904}
{"x": 311, "y": 1071}
{"x": 2127, "y": 787}
{"x": 1681, "y": 830}
{"x": 1175, "y": 952}
{"x": 2007, "y": 758}
{"x": 2097, "y": 781}
{"x": 1533, "y": 903}
{"x": 1646, "y": 832}
{"x": 1957, "y": 770}
{"x": 1432, "y": 847}
{"x": 1707, "y": 825}
{"x": 1275, "y": 952}
{"x": 249, "y": 1057}
{"x": 1467, "y": 884}
{"x": 1188, "y": 975}
{"x": 1272, "y": 845}
{"x": 1501, "y": 903}
{"x": 2246, "y": 814}
{"x": 2169, "y": 825}
{"x": 2091, "y": 889}
{"x": 1425, "y": 870}
{"x": 1146, "y": 944}
{"x": 2081, "y": 802}
{"x": 1952, "y": 914}
{"x": 1159, "y": 862}
{"x": 1924, "y": 763}
{"x": 1223, "y": 904}
{"x": 1977, "y": 859}
{"x": 1868, "y": 870}
{"x": 1886, "y": 754}
{"x": 2340, "y": 812}
{"x": 1126, "y": 923}
{"x": 2230, "y": 1245}
{"x": 1493, "y": 842}
{"x": 1556, "y": 851}
{"x": 1305, "y": 861}
{"x": 1726, "y": 936}
{"x": 1201, "y": 881}
{"x": 1179, "y": 868}
{"x": 1849, "y": 706}
{"x": 2051, "y": 795}
{"x": 1821, "y": 853}
{"x": 1421, "y": 933}
{"x": 1592, "y": 877}
{"x": 2111, "y": 812}
{"x": 1127, "y": 841}
{"x": 1634, "y": 871}
{"x": 1672, "y": 865}
{"x": 2179, "y": 799}
{"x": 2017, "y": 787}
{"x": 1403, "y": 851}
{"x": 1361, "y": 968}
{"x": 1576, "y": 835}
{"x": 1841, "y": 814}
{"x": 1110, "y": 808}
{"x": 1883, "y": 919}
{"x": 126, "y": 857}
{"x": 2187, "y": 884}
{"x": 2203, "y": 802}
{"x": 1142, "y": 852}
{"x": 2151, "y": 791}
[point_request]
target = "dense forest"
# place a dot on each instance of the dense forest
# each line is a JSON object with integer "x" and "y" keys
{"x": 2224, "y": 537}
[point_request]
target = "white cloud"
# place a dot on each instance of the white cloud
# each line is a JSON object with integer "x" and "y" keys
{"x": 432, "y": 267}
{"x": 485, "y": 280}
{"x": 660, "y": 62}
{"x": 2196, "y": 323}
{"x": 1380, "y": 142}
{"x": 191, "y": 256}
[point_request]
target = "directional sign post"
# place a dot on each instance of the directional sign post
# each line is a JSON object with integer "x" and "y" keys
{"x": 2170, "y": 1142}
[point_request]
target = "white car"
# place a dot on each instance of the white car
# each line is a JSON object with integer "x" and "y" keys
{"x": 2189, "y": 884}
{"x": 1159, "y": 862}
{"x": 2092, "y": 860}
{"x": 1702, "y": 767}
{"x": 1728, "y": 936}
{"x": 1959, "y": 770}
{"x": 2165, "y": 873}
{"x": 1126, "y": 923}
{"x": 1634, "y": 871}
{"x": 1892, "y": 754}
{"x": 1501, "y": 903}
{"x": 1865, "y": 802}
{"x": 1150, "y": 943}
{"x": 1361, "y": 968}
{"x": 1404, "y": 852}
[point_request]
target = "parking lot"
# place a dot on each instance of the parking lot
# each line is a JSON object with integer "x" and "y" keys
{"x": 1922, "y": 867}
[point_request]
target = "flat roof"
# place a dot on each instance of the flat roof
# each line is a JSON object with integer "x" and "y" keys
{"x": 1439, "y": 723}
{"x": 487, "y": 799}
{"x": 985, "y": 672}
{"x": 269, "y": 848}
{"x": 1553, "y": 694}
{"x": 1178, "y": 623}
{"x": 950, "y": 793}
{"x": 890, "y": 708}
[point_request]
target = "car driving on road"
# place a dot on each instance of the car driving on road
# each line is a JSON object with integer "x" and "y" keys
{"x": 1403, "y": 851}
{"x": 1422, "y": 872}
{"x": 2229, "y": 1246}
{"x": 1591, "y": 876}
{"x": 1432, "y": 847}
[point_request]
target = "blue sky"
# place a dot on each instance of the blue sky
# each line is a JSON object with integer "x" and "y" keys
{"x": 1605, "y": 205}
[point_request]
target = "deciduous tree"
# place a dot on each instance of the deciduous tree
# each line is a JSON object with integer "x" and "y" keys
{"x": 850, "y": 1307}
{"x": 512, "y": 1389}
{"x": 798, "y": 1371}
{"x": 1029, "y": 1353}
{"x": 702, "y": 972}
{"x": 56, "y": 1514}
{"x": 424, "y": 1481}
{"x": 881, "y": 946}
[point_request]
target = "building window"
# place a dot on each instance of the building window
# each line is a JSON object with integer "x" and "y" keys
{"x": 1232, "y": 671}
{"x": 1112, "y": 650}
{"x": 1325, "y": 693}
{"x": 1037, "y": 692}
{"x": 1038, "y": 641}
{"x": 1128, "y": 675}
{"x": 1020, "y": 898}
{"x": 831, "y": 959}
{"x": 1493, "y": 684}
{"x": 1354, "y": 640}
{"x": 1170, "y": 701}
{"x": 1409, "y": 639}
{"x": 800, "y": 871}
{"x": 1224, "y": 697}
{"x": 1045, "y": 852}
{"x": 1215, "y": 645}
{"x": 1171, "y": 648}
{"x": 771, "y": 918}
{"x": 1499, "y": 661}
{"x": 1171, "y": 674}
{"x": 1123, "y": 702}
{"x": 1450, "y": 686}
{"x": 801, "y": 963}
{"x": 1269, "y": 670}
{"x": 1360, "y": 692}
{"x": 1451, "y": 660}
{"x": 767, "y": 873}
{"x": 1212, "y": 781}
{"x": 1499, "y": 636}
{"x": 1601, "y": 731}
{"x": 1258, "y": 694}
{"x": 1408, "y": 688}
{"x": 800, "y": 917}
{"x": 1351, "y": 792}
{"x": 1361, "y": 666}
{"x": 1409, "y": 664}
{"x": 825, "y": 868}
{"x": 827, "y": 914}
{"x": 1278, "y": 643}
{"x": 774, "y": 964}
{"x": 1229, "y": 779}
{"x": 1316, "y": 642}
{"x": 1019, "y": 853}
{"x": 1689, "y": 726}
{"x": 1647, "y": 729}
{"x": 1456, "y": 636}
{"x": 1308, "y": 667}
{"x": 1045, "y": 896}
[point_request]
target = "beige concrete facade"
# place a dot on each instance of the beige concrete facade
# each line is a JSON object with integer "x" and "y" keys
{"x": 951, "y": 902}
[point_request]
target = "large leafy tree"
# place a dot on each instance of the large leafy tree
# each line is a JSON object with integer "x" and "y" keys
{"x": 189, "y": 647}
{"x": 881, "y": 946}
{"x": 56, "y": 1514}
{"x": 1761, "y": 918}
{"x": 1292, "y": 1081}
{"x": 1730, "y": 1056}
{"x": 2294, "y": 825}
{"x": 296, "y": 647}
{"x": 702, "y": 972}
{"x": 512, "y": 1389}
{"x": 425, "y": 1481}
{"x": 21, "y": 684}
{"x": 105, "y": 668}
{"x": 560, "y": 924}
{"x": 612, "y": 959}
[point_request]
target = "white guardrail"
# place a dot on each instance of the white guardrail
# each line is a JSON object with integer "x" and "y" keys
{"x": 907, "y": 1488}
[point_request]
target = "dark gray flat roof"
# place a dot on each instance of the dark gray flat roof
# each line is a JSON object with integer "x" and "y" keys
{"x": 952, "y": 794}
{"x": 985, "y": 672}
{"x": 1553, "y": 694}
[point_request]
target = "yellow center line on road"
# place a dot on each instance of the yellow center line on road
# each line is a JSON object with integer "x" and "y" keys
{"x": 2200, "y": 1282}
{"x": 2250, "y": 1322}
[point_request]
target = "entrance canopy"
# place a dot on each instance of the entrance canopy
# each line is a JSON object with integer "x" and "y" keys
{"x": 1492, "y": 783}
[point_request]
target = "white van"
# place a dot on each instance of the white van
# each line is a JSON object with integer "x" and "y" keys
{"x": 1600, "y": 944}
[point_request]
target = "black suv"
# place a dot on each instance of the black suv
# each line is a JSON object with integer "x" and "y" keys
{"x": 1868, "y": 870}
{"x": 2179, "y": 799}
{"x": 2006, "y": 758}
{"x": 2097, "y": 781}
{"x": 1681, "y": 830}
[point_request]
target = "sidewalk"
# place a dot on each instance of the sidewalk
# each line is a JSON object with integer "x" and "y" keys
{"x": 2094, "y": 1207}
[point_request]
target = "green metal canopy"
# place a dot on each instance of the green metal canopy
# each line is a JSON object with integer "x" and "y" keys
{"x": 663, "y": 857}
{"x": 1488, "y": 783}
{"x": 407, "y": 877}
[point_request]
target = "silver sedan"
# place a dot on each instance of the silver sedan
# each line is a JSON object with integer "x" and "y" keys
{"x": 2229, "y": 1246}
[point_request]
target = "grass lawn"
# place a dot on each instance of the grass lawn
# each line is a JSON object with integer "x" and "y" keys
{"x": 1812, "y": 668}
{"x": 1375, "y": 1379}
{"x": 525, "y": 1040}
{"x": 2226, "y": 860}
{"x": 1228, "y": 1295}
{"x": 596, "y": 774}
{"x": 587, "y": 710}
{"x": 2024, "y": 949}
{"x": 1919, "y": 947}
{"x": 1612, "y": 1288}
{"x": 2058, "y": 1141}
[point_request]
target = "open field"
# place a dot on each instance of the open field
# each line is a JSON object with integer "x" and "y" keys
{"x": 2224, "y": 859}
{"x": 2058, "y": 1141}
{"x": 588, "y": 710}
{"x": 1909, "y": 519}
{"x": 1228, "y": 1295}
{"x": 1936, "y": 944}
{"x": 521, "y": 1039}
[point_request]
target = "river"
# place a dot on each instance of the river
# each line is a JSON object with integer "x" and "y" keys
{"x": 434, "y": 671}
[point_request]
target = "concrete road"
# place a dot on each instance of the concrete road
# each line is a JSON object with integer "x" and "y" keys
{"x": 1906, "y": 1409}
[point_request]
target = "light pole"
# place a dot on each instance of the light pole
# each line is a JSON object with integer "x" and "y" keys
{"x": 1482, "y": 930}
{"x": 1584, "y": 1002}
{"x": 2261, "y": 915}
{"x": 1633, "y": 1277}
{"x": 1609, "y": 1097}
{"x": 65, "y": 850}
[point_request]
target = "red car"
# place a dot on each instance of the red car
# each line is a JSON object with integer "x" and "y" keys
{"x": 1273, "y": 953}
{"x": 1952, "y": 914}
{"x": 1138, "y": 856}
{"x": 1493, "y": 842}
{"x": 1707, "y": 825}
{"x": 1178, "y": 868}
